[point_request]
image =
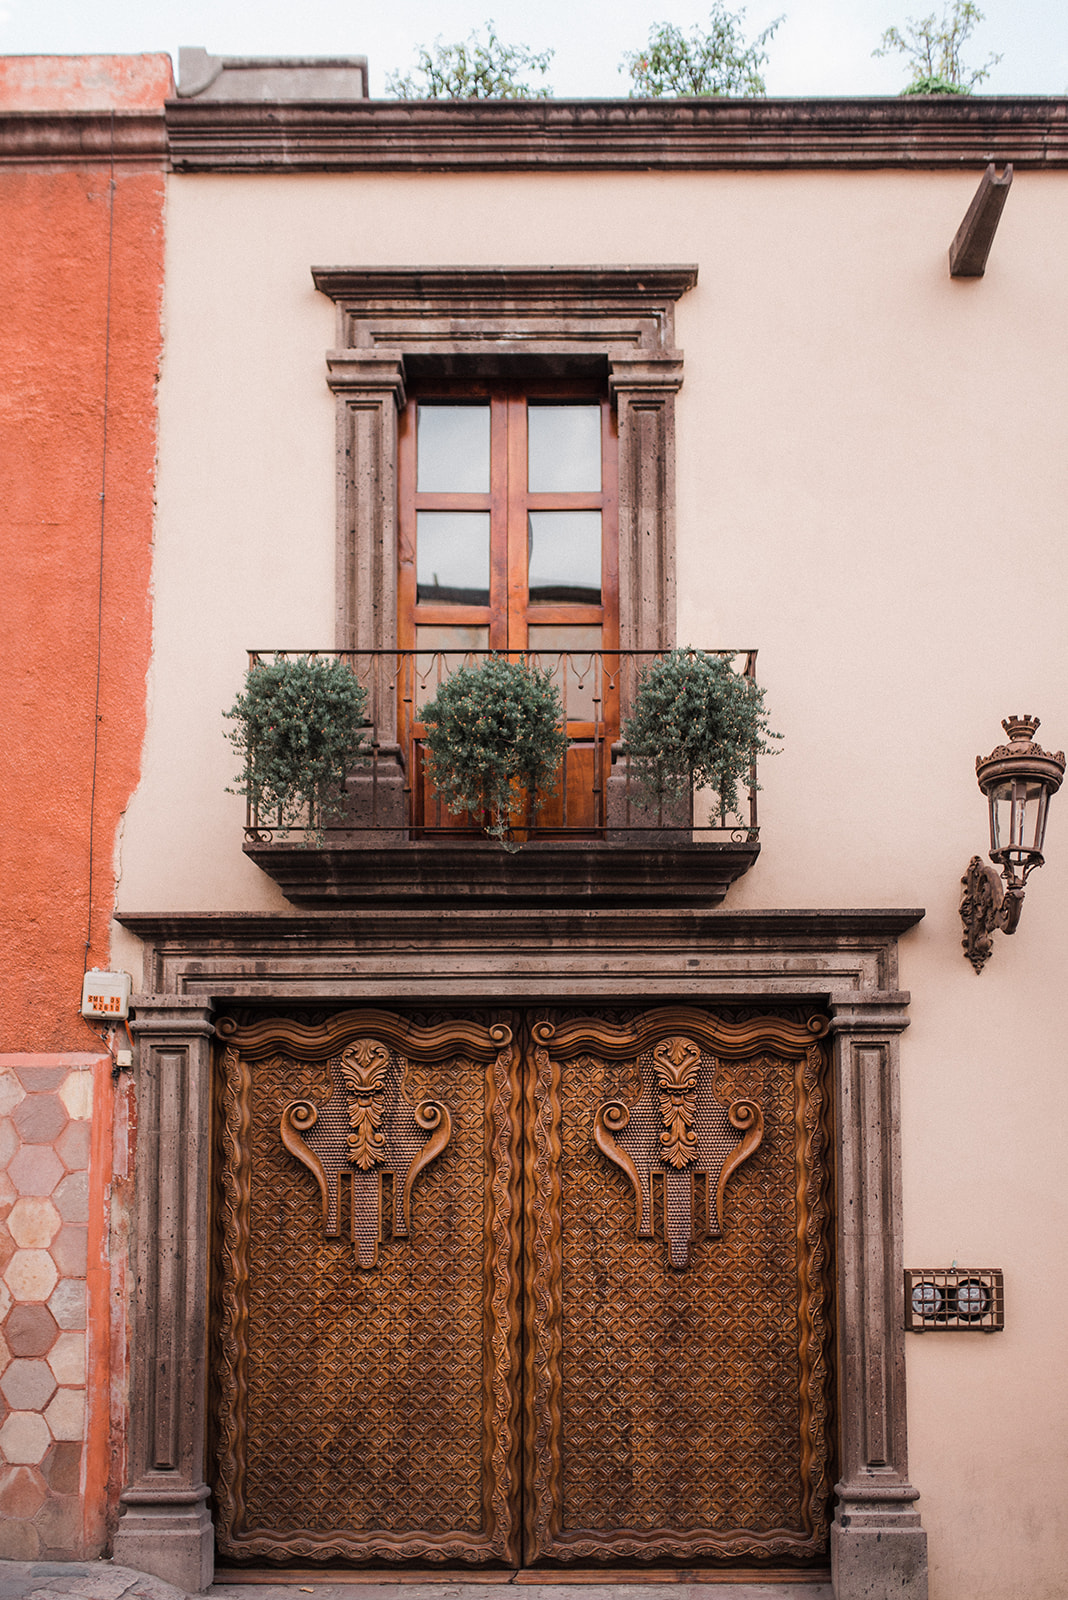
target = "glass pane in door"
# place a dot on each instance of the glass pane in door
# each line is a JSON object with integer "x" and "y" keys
{"x": 563, "y": 449}
{"x": 453, "y": 450}
{"x": 452, "y": 562}
{"x": 565, "y": 557}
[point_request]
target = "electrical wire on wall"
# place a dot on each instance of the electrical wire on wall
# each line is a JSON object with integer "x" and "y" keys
{"x": 100, "y": 564}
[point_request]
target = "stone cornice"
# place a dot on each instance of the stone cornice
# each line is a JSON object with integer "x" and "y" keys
{"x": 387, "y": 289}
{"x": 232, "y": 928}
{"x": 82, "y": 138}
{"x": 607, "y": 135}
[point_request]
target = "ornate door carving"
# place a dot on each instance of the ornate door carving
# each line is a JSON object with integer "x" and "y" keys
{"x": 671, "y": 1303}
{"x": 687, "y": 1420}
{"x": 367, "y": 1398}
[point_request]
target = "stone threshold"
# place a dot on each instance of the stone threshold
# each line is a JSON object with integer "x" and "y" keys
{"x": 498, "y": 1586}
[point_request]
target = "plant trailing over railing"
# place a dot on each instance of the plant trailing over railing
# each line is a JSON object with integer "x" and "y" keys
{"x": 490, "y": 730}
{"x": 300, "y": 723}
{"x": 696, "y": 723}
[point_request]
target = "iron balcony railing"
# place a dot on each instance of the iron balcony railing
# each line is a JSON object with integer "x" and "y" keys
{"x": 391, "y": 800}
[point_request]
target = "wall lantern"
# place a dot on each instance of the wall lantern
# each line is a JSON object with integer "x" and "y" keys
{"x": 1017, "y": 779}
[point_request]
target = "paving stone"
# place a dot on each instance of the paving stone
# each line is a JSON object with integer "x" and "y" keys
{"x": 72, "y": 1146}
{"x": 11, "y": 1091}
{"x": 62, "y": 1467}
{"x": 22, "y": 1491}
{"x": 67, "y": 1358}
{"x": 7, "y": 1245}
{"x": 18, "y": 1540}
{"x": 70, "y": 1249}
{"x": 76, "y": 1093}
{"x": 72, "y": 1197}
{"x": 7, "y": 1300}
{"x": 8, "y": 1193}
{"x": 9, "y": 1141}
{"x": 35, "y": 1169}
{"x": 40, "y": 1118}
{"x": 59, "y": 1525}
{"x": 31, "y": 1330}
{"x": 34, "y": 1222}
{"x": 28, "y": 1385}
{"x": 24, "y": 1438}
{"x": 66, "y": 1414}
{"x": 5, "y": 1352}
{"x": 31, "y": 1275}
{"x": 36, "y": 1079}
{"x": 67, "y": 1303}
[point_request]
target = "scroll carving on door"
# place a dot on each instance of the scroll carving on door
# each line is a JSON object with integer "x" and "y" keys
{"x": 680, "y": 1130}
{"x": 522, "y": 1289}
{"x": 352, "y": 1140}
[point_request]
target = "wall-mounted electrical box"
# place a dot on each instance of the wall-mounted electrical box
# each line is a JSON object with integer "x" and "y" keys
{"x": 106, "y": 996}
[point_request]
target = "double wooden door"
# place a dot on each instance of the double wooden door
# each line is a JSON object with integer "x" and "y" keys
{"x": 505, "y": 1289}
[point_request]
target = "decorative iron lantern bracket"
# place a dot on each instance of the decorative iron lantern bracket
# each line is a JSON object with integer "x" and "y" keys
{"x": 1018, "y": 780}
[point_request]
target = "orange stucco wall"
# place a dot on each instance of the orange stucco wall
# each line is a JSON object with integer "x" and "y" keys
{"x": 54, "y": 350}
{"x": 85, "y": 83}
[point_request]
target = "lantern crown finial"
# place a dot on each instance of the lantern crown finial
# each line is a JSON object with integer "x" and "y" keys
{"x": 1024, "y": 727}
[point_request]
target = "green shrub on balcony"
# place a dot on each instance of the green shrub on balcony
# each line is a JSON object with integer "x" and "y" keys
{"x": 696, "y": 724}
{"x": 299, "y": 726}
{"x": 493, "y": 730}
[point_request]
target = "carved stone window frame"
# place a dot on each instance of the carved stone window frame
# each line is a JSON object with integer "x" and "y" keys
{"x": 492, "y": 320}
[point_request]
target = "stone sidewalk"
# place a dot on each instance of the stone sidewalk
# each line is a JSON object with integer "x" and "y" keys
{"x": 99, "y": 1580}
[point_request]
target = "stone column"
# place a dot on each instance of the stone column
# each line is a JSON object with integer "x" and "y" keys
{"x": 165, "y": 1528}
{"x": 369, "y": 387}
{"x": 878, "y": 1547}
{"x": 644, "y": 390}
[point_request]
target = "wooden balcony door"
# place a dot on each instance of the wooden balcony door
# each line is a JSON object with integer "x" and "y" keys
{"x": 508, "y": 542}
{"x": 522, "y": 1289}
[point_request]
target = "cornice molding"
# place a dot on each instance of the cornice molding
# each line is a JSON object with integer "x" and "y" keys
{"x": 82, "y": 138}
{"x": 232, "y": 929}
{"x": 606, "y": 135}
{"x": 396, "y": 289}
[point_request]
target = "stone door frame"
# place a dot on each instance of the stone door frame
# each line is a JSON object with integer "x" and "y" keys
{"x": 195, "y": 965}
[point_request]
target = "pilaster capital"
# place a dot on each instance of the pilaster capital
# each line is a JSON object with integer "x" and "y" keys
{"x": 171, "y": 1015}
{"x": 874, "y": 1014}
{"x": 378, "y": 373}
{"x": 645, "y": 373}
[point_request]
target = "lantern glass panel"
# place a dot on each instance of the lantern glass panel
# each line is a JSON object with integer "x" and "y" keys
{"x": 1018, "y": 816}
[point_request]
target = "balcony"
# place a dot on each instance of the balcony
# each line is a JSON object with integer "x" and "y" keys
{"x": 592, "y": 842}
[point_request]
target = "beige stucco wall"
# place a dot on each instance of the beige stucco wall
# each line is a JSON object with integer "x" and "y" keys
{"x": 872, "y": 484}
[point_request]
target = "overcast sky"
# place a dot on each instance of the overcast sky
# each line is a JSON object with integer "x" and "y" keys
{"x": 823, "y": 47}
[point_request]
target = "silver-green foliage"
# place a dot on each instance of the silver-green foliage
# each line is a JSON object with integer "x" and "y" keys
{"x": 490, "y": 729}
{"x": 932, "y": 46}
{"x": 299, "y": 727}
{"x": 696, "y": 723}
{"x": 472, "y": 69}
{"x": 716, "y": 62}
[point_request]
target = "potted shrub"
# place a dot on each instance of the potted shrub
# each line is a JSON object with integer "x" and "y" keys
{"x": 492, "y": 730}
{"x": 696, "y": 723}
{"x": 299, "y": 726}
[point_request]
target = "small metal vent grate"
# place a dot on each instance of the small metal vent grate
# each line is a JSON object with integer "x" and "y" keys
{"x": 941, "y": 1299}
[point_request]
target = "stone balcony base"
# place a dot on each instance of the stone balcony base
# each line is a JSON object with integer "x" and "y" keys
{"x": 479, "y": 872}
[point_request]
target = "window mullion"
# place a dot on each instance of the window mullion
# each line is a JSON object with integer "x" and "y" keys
{"x": 517, "y": 522}
{"x": 499, "y": 420}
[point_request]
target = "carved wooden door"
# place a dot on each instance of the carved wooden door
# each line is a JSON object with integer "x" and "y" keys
{"x": 545, "y": 1289}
